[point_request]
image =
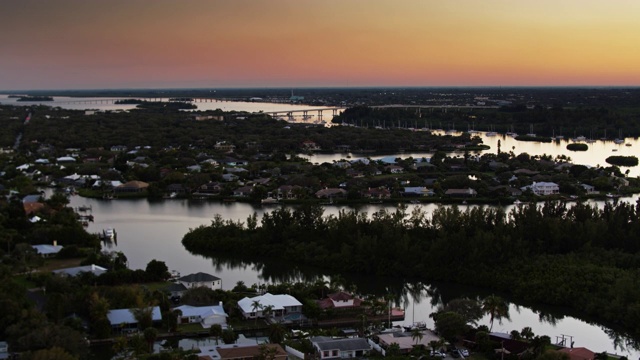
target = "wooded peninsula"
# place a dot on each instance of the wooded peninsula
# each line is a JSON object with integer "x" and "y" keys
{"x": 580, "y": 257}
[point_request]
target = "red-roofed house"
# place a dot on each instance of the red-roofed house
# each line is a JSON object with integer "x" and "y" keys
{"x": 340, "y": 300}
{"x": 579, "y": 353}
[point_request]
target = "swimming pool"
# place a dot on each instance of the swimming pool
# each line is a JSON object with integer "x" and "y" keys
{"x": 292, "y": 317}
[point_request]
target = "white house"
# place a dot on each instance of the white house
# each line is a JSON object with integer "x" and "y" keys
{"x": 543, "y": 188}
{"x": 201, "y": 279}
{"x": 75, "y": 271}
{"x": 46, "y": 250}
{"x": 205, "y": 315}
{"x": 281, "y": 305}
{"x": 124, "y": 319}
{"x": 330, "y": 348}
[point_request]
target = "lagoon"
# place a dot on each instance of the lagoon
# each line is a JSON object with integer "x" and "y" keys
{"x": 153, "y": 230}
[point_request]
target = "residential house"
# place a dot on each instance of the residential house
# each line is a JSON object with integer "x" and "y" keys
{"x": 288, "y": 191}
{"x": 194, "y": 168}
{"x": 377, "y": 193}
{"x": 234, "y": 162}
{"x": 417, "y": 191}
{"x": 330, "y": 348}
{"x": 46, "y": 250}
{"x": 118, "y": 148}
{"x": 461, "y": 192}
{"x": 205, "y": 315}
{"x": 175, "y": 290}
{"x": 590, "y": 189}
{"x": 406, "y": 342}
{"x": 354, "y": 173}
{"x": 65, "y": 159}
{"x": 394, "y": 169}
{"x": 75, "y": 271}
{"x": 340, "y": 300}
{"x": 201, "y": 279}
{"x": 281, "y": 305}
{"x": 224, "y": 146}
{"x": 543, "y": 188}
{"x": 331, "y": 193}
{"x": 241, "y": 351}
{"x": 123, "y": 319}
{"x": 212, "y": 187}
{"x": 243, "y": 191}
{"x": 230, "y": 177}
{"x": 579, "y": 353}
{"x": 132, "y": 187}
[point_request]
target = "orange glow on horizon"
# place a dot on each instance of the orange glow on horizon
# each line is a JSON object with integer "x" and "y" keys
{"x": 77, "y": 44}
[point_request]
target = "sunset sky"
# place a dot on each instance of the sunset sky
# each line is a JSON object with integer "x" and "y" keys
{"x": 85, "y": 44}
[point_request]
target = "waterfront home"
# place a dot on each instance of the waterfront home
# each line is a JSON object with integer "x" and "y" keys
{"x": 131, "y": 187}
{"x": 376, "y": 193}
{"x": 288, "y": 191}
{"x": 340, "y": 300}
{"x": 241, "y": 351}
{"x": 589, "y": 189}
{"x": 201, "y": 279}
{"x": 243, "y": 191}
{"x": 280, "y": 305}
{"x": 123, "y": 319}
{"x": 75, "y": 271}
{"x": 543, "y": 188}
{"x": 406, "y": 341}
{"x": 212, "y": 187}
{"x": 46, "y": 250}
{"x": 204, "y": 315}
{"x": 331, "y": 193}
{"x": 330, "y": 348}
{"x": 417, "y": 191}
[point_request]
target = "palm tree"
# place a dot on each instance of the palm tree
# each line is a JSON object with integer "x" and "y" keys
{"x": 416, "y": 335}
{"x": 267, "y": 311}
{"x": 496, "y": 307}
{"x": 527, "y": 333}
{"x": 255, "y": 306}
{"x": 216, "y": 331}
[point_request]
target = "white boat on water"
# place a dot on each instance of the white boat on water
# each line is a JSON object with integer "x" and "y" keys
{"x": 269, "y": 200}
{"x": 109, "y": 234}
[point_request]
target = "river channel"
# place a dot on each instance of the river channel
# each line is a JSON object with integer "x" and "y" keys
{"x": 154, "y": 229}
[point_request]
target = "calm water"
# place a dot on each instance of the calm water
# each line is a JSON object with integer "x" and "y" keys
{"x": 153, "y": 230}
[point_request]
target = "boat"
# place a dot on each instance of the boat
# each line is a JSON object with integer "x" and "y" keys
{"x": 268, "y": 201}
{"x": 627, "y": 144}
{"x": 419, "y": 325}
{"x": 109, "y": 234}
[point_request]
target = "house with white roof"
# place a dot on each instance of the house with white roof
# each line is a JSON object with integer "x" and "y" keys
{"x": 124, "y": 319}
{"x": 205, "y": 315}
{"x": 75, "y": 271}
{"x": 46, "y": 250}
{"x": 543, "y": 188}
{"x": 281, "y": 305}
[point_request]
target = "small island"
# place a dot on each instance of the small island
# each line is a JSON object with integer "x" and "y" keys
{"x": 35, "y": 98}
{"x": 620, "y": 160}
{"x": 578, "y": 147}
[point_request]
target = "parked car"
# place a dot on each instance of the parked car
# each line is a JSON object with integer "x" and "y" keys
{"x": 464, "y": 352}
{"x": 438, "y": 354}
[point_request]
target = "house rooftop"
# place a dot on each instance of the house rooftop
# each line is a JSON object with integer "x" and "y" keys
{"x": 198, "y": 277}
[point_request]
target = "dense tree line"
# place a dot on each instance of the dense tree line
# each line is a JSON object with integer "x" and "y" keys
{"x": 592, "y": 122}
{"x": 581, "y": 256}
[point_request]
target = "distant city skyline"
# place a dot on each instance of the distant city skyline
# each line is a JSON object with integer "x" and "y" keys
{"x": 79, "y": 44}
